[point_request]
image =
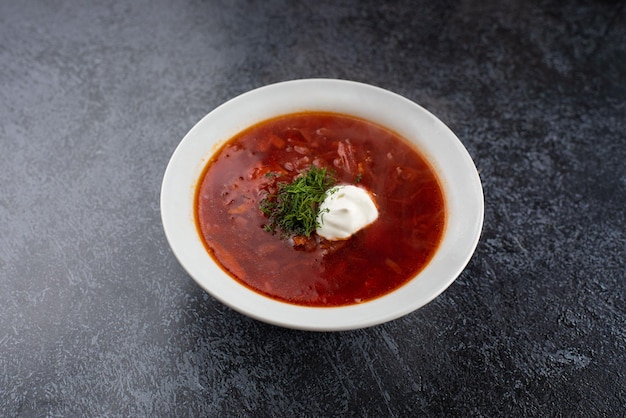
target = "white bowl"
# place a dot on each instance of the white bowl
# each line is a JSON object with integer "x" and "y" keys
{"x": 454, "y": 166}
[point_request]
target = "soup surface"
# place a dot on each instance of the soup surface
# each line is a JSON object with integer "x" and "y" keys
{"x": 317, "y": 272}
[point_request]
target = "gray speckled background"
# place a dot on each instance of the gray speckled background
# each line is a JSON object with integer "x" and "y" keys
{"x": 98, "y": 319}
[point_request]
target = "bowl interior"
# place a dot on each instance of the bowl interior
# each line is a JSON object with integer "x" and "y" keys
{"x": 451, "y": 161}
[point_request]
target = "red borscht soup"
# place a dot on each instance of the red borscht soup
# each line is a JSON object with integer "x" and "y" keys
{"x": 314, "y": 271}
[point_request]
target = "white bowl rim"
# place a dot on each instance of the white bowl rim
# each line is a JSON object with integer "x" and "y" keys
{"x": 453, "y": 164}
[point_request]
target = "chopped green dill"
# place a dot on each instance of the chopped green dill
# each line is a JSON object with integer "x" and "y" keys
{"x": 358, "y": 178}
{"x": 294, "y": 207}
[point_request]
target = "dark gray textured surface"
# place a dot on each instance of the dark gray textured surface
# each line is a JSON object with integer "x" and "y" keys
{"x": 98, "y": 319}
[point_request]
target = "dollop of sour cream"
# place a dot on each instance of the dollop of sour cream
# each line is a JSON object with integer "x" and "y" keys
{"x": 346, "y": 209}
